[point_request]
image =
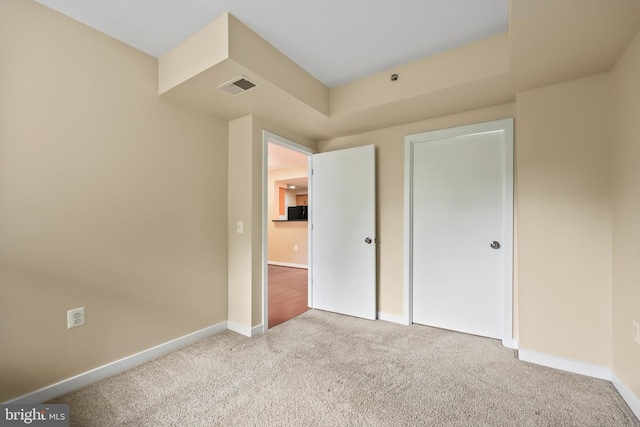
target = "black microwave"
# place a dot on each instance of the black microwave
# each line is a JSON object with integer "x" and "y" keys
{"x": 297, "y": 213}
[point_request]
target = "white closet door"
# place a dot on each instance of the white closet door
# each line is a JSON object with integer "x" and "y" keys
{"x": 458, "y": 232}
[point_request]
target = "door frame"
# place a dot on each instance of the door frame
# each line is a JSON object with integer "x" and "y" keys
{"x": 505, "y": 126}
{"x": 269, "y": 137}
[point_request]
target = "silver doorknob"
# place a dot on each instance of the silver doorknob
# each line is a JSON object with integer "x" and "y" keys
{"x": 368, "y": 240}
{"x": 495, "y": 245}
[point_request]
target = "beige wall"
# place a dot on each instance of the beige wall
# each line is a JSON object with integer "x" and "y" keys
{"x": 625, "y": 178}
{"x": 389, "y": 145}
{"x": 282, "y": 236}
{"x": 564, "y": 220}
{"x": 240, "y": 208}
{"x": 110, "y": 200}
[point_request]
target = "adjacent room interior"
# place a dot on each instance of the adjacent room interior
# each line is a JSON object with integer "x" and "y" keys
{"x": 287, "y": 234}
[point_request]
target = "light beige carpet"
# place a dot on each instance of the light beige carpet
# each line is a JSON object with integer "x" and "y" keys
{"x": 323, "y": 369}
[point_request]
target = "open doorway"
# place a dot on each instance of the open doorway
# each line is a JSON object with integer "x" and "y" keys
{"x": 286, "y": 212}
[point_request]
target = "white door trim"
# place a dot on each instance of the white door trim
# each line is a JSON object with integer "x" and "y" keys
{"x": 268, "y": 137}
{"x": 505, "y": 126}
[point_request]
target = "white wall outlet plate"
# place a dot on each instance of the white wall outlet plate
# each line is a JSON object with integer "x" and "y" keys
{"x": 636, "y": 331}
{"x": 75, "y": 318}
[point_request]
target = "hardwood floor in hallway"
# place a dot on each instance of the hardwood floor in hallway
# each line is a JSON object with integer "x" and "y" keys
{"x": 288, "y": 293}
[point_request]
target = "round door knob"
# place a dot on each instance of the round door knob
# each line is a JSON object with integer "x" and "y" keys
{"x": 368, "y": 240}
{"x": 495, "y": 245}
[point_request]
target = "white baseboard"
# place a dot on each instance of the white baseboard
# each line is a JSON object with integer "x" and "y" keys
{"x": 626, "y": 393}
{"x": 288, "y": 264}
{"x": 391, "y": 318}
{"x": 564, "y": 364}
{"x": 257, "y": 330}
{"x": 584, "y": 368}
{"x": 516, "y": 344}
{"x": 239, "y": 328}
{"x": 247, "y": 331}
{"x": 86, "y": 378}
{"x": 509, "y": 342}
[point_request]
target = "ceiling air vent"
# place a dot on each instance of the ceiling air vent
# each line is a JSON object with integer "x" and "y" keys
{"x": 237, "y": 85}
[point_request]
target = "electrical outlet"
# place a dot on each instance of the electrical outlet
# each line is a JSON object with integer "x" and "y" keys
{"x": 295, "y": 248}
{"x": 75, "y": 318}
{"x": 240, "y": 227}
{"x": 636, "y": 331}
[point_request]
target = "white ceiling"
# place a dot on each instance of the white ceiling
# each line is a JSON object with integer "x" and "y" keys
{"x": 280, "y": 157}
{"x": 336, "y": 41}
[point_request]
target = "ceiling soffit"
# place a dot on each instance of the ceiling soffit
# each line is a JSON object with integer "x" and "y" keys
{"x": 547, "y": 42}
{"x": 226, "y": 40}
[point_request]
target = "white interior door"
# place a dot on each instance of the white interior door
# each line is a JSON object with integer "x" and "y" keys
{"x": 459, "y": 209}
{"x": 343, "y": 232}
